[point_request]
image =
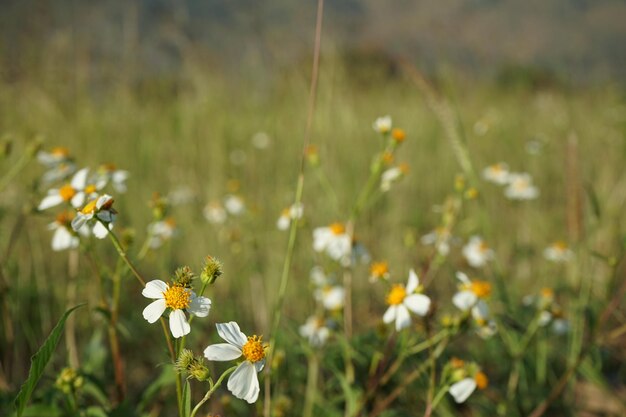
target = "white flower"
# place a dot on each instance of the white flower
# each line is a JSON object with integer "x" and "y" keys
{"x": 58, "y": 172}
{"x": 261, "y": 140}
{"x": 100, "y": 208}
{"x": 234, "y": 204}
{"x": 315, "y": 331}
{"x": 439, "y": 237}
{"x": 401, "y": 299}
{"x": 558, "y": 252}
{"x": 214, "y": 212}
{"x": 318, "y": 277}
{"x": 461, "y": 390}
{"x": 331, "y": 297}
{"x": 178, "y": 299}
{"x": 392, "y": 175}
{"x": 470, "y": 294}
{"x": 294, "y": 212}
{"x": 382, "y": 124}
{"x": 497, "y": 173}
{"x": 181, "y": 195}
{"x": 161, "y": 232}
{"x": 476, "y": 252}
{"x": 72, "y": 193}
{"x": 521, "y": 187}
{"x": 63, "y": 237}
{"x": 55, "y": 157}
{"x": 243, "y": 382}
{"x": 334, "y": 241}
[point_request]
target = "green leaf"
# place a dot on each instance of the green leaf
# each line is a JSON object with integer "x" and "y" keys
{"x": 39, "y": 362}
{"x": 186, "y": 399}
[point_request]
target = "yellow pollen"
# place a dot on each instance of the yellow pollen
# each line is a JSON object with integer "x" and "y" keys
{"x": 396, "y": 295}
{"x": 177, "y": 298}
{"x": 170, "y": 221}
{"x": 559, "y": 245}
{"x": 482, "y": 289}
{"x": 483, "y": 247}
{"x": 547, "y": 293}
{"x": 398, "y": 134}
{"x": 67, "y": 192}
{"x": 387, "y": 157}
{"x": 497, "y": 168}
{"x": 481, "y": 380}
{"x": 337, "y": 228}
{"x": 64, "y": 218}
{"x": 90, "y": 207}
{"x": 60, "y": 151}
{"x": 254, "y": 350}
{"x": 379, "y": 269}
{"x": 108, "y": 167}
{"x": 90, "y": 189}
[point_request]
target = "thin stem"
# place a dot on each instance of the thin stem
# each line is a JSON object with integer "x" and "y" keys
{"x": 210, "y": 392}
{"x": 122, "y": 253}
{"x": 311, "y": 385}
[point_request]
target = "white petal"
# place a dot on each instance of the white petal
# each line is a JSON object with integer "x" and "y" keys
{"x": 50, "y": 201}
{"x": 63, "y": 239}
{"x": 79, "y": 221}
{"x": 78, "y": 199}
{"x": 402, "y": 317}
{"x": 100, "y": 231}
{"x": 199, "y": 306}
{"x": 462, "y": 389}
{"x": 79, "y": 180}
{"x": 390, "y": 314}
{"x": 464, "y": 300}
{"x": 154, "y": 310}
{"x": 154, "y": 289}
{"x": 102, "y": 200}
{"x": 417, "y": 303}
{"x": 222, "y": 352}
{"x": 462, "y": 276}
{"x": 178, "y": 323}
{"x": 231, "y": 333}
{"x": 243, "y": 383}
{"x": 412, "y": 283}
{"x": 480, "y": 311}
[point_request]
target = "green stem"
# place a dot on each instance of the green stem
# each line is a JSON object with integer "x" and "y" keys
{"x": 311, "y": 385}
{"x": 210, "y": 392}
{"x": 122, "y": 253}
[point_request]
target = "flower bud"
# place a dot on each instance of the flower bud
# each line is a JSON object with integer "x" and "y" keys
{"x": 211, "y": 271}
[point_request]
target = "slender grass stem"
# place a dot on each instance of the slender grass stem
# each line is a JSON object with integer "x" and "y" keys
{"x": 210, "y": 392}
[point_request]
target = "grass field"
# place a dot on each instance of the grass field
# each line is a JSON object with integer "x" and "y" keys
{"x": 197, "y": 141}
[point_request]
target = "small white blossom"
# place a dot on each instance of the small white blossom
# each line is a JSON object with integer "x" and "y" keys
{"x": 402, "y": 299}
{"x": 497, "y": 173}
{"x": 520, "y": 187}
{"x": 382, "y": 124}
{"x": 477, "y": 253}
{"x": 315, "y": 331}
{"x": 558, "y": 252}
{"x": 334, "y": 241}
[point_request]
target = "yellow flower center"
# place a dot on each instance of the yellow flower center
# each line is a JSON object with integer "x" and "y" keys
{"x": 404, "y": 168}
{"x": 547, "y": 293}
{"x": 482, "y": 289}
{"x": 387, "y": 158}
{"x": 457, "y": 363}
{"x": 60, "y": 151}
{"x": 398, "y": 134}
{"x": 379, "y": 269}
{"x": 481, "y": 380}
{"x": 560, "y": 245}
{"x": 396, "y": 295}
{"x": 64, "y": 218}
{"x": 177, "y": 298}
{"x": 337, "y": 228}
{"x": 90, "y": 189}
{"x": 90, "y": 208}
{"x": 67, "y": 192}
{"x": 108, "y": 167}
{"x": 497, "y": 168}
{"x": 483, "y": 247}
{"x": 254, "y": 350}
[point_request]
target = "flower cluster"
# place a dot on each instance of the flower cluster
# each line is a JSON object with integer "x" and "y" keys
{"x": 519, "y": 186}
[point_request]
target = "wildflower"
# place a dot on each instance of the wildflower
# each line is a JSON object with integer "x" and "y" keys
{"x": 440, "y": 237}
{"x": 550, "y": 312}
{"x": 181, "y": 195}
{"x": 101, "y": 209}
{"x": 318, "y": 277}
{"x": 470, "y": 294}
{"x": 558, "y": 252}
{"x": 243, "y": 382}
{"x": 312, "y": 155}
{"x": 85, "y": 190}
{"x": 379, "y": 270}
{"x": 55, "y": 157}
{"x": 466, "y": 377}
{"x": 401, "y": 299}
{"x": 315, "y": 331}
{"x": 497, "y": 173}
{"x": 521, "y": 187}
{"x": 109, "y": 173}
{"x": 476, "y": 252}
{"x": 161, "y": 231}
{"x": 234, "y": 204}
{"x": 261, "y": 140}
{"x": 212, "y": 270}
{"x": 192, "y": 365}
{"x": 178, "y": 299}
{"x": 398, "y": 135}
{"x": 72, "y": 193}
{"x": 63, "y": 238}
{"x": 294, "y": 212}
{"x": 382, "y": 124}
{"x": 214, "y": 212}
{"x": 392, "y": 175}
{"x": 332, "y": 297}
{"x": 333, "y": 240}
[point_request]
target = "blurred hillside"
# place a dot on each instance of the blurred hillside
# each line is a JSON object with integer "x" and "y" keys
{"x": 579, "y": 40}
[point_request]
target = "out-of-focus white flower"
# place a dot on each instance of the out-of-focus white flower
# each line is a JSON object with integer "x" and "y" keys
{"x": 161, "y": 231}
{"x": 392, "y": 175}
{"x": 238, "y": 157}
{"x": 109, "y": 173}
{"x": 476, "y": 252}
{"x": 180, "y": 195}
{"x": 63, "y": 237}
{"x": 558, "y": 252}
{"x": 318, "y": 277}
{"x": 261, "y": 140}
{"x": 382, "y": 124}
{"x": 73, "y": 193}
{"x": 55, "y": 157}
{"x": 315, "y": 331}
{"x": 333, "y": 240}
{"x": 243, "y": 382}
{"x": 101, "y": 209}
{"x": 439, "y": 237}
{"x": 294, "y": 212}
{"x": 470, "y": 293}
{"x": 178, "y": 299}
{"x": 402, "y": 299}
{"x": 85, "y": 189}
{"x": 520, "y": 187}
{"x": 497, "y": 173}
{"x": 466, "y": 378}
{"x": 331, "y": 297}
{"x": 214, "y": 212}
{"x": 461, "y": 390}
{"x": 234, "y": 204}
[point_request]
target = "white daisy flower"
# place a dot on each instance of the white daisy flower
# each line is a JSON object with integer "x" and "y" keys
{"x": 315, "y": 331}
{"x": 177, "y": 298}
{"x": 86, "y": 189}
{"x": 497, "y": 173}
{"x": 466, "y": 384}
{"x": 234, "y": 204}
{"x": 109, "y": 173}
{"x": 63, "y": 237}
{"x": 379, "y": 271}
{"x": 243, "y": 382}
{"x": 55, "y": 157}
{"x": 520, "y": 187}
{"x": 470, "y": 295}
{"x": 318, "y": 277}
{"x": 439, "y": 237}
{"x": 331, "y": 297}
{"x": 476, "y": 252}
{"x": 72, "y": 193}
{"x": 382, "y": 124}
{"x": 558, "y": 252}
{"x": 461, "y": 390}
{"x": 294, "y": 212}
{"x": 214, "y": 212}
{"x": 392, "y": 175}
{"x": 58, "y": 172}
{"x": 403, "y": 299}
{"x": 100, "y": 208}
{"x": 161, "y": 231}
{"x": 334, "y": 241}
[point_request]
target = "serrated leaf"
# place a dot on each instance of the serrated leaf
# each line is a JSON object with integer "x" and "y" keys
{"x": 39, "y": 362}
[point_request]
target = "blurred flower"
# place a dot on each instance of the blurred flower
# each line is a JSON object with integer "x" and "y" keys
{"x": 238, "y": 157}
{"x": 382, "y": 124}
{"x": 333, "y": 240}
{"x": 470, "y": 294}
{"x": 108, "y": 173}
{"x": 332, "y": 297}
{"x": 261, "y": 140}
{"x": 378, "y": 271}
{"x": 63, "y": 237}
{"x": 243, "y": 382}
{"x": 100, "y": 209}
{"x": 161, "y": 231}
{"x": 55, "y": 157}
{"x": 214, "y": 212}
{"x": 318, "y": 277}
{"x": 521, "y": 187}
{"x": 558, "y": 252}
{"x": 180, "y": 195}
{"x": 461, "y": 390}
{"x": 85, "y": 190}
{"x": 177, "y": 298}
{"x": 440, "y": 237}
{"x": 399, "y": 135}
{"x": 315, "y": 331}
{"x": 497, "y": 173}
{"x": 476, "y": 252}
{"x": 234, "y": 204}
{"x": 72, "y": 193}
{"x": 392, "y": 175}
{"x": 401, "y": 299}
{"x": 294, "y": 212}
